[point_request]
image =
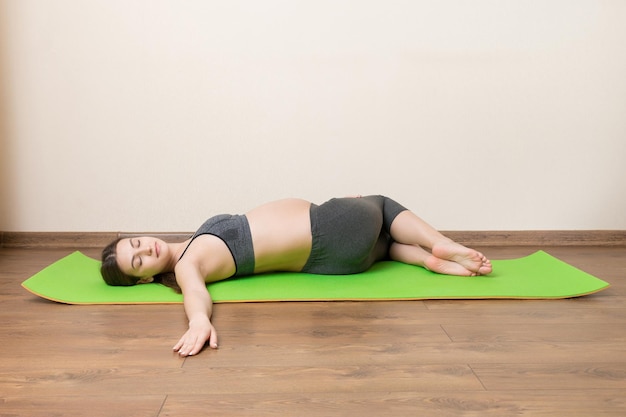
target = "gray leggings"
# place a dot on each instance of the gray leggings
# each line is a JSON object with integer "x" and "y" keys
{"x": 350, "y": 234}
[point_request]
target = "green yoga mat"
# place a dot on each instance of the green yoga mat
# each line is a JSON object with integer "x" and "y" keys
{"x": 76, "y": 279}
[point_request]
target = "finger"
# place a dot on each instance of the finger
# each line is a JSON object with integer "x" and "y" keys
{"x": 178, "y": 345}
{"x": 181, "y": 342}
{"x": 197, "y": 346}
{"x": 186, "y": 350}
{"x": 184, "y": 345}
{"x": 213, "y": 339}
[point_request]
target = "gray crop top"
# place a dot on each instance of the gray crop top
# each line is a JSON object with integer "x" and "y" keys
{"x": 234, "y": 230}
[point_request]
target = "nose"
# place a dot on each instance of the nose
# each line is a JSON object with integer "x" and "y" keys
{"x": 144, "y": 250}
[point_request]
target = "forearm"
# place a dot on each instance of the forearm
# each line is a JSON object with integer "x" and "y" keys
{"x": 198, "y": 305}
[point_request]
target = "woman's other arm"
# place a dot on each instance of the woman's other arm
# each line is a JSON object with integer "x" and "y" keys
{"x": 198, "y": 307}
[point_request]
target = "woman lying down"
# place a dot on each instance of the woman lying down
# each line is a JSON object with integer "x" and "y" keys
{"x": 342, "y": 236}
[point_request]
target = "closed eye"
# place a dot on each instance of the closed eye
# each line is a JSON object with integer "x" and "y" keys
{"x": 139, "y": 262}
{"x": 136, "y": 258}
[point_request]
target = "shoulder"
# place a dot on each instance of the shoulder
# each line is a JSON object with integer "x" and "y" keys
{"x": 207, "y": 257}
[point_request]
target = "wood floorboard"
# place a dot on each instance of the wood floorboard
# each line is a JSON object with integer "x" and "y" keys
{"x": 79, "y": 406}
{"x": 405, "y": 358}
{"x": 563, "y": 376}
{"x": 398, "y": 353}
{"x": 381, "y": 314}
{"x": 519, "y": 332}
{"x": 245, "y": 380}
{"x": 448, "y": 403}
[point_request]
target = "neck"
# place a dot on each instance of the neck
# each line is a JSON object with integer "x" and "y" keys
{"x": 176, "y": 250}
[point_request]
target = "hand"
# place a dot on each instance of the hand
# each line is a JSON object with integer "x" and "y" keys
{"x": 196, "y": 337}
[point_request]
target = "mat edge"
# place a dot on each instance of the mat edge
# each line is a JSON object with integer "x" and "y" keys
{"x": 313, "y": 300}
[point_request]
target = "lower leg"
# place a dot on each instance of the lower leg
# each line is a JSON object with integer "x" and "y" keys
{"x": 416, "y": 255}
{"x": 408, "y": 229}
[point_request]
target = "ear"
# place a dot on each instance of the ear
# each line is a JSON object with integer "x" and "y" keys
{"x": 145, "y": 280}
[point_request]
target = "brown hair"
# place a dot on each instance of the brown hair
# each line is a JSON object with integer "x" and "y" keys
{"x": 113, "y": 275}
{"x": 110, "y": 270}
{"x": 169, "y": 280}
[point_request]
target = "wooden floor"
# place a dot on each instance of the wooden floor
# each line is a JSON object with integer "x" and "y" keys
{"x": 427, "y": 358}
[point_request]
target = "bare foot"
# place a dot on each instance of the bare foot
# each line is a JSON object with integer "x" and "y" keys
{"x": 443, "y": 266}
{"x": 469, "y": 259}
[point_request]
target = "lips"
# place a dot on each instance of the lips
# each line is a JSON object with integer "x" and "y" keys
{"x": 156, "y": 249}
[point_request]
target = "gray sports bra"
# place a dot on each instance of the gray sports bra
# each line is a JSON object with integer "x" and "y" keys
{"x": 234, "y": 230}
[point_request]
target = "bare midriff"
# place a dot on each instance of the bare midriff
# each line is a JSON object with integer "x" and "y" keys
{"x": 281, "y": 235}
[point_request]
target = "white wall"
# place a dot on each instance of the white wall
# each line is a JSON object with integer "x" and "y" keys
{"x": 144, "y": 115}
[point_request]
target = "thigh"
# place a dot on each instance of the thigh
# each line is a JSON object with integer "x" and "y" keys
{"x": 388, "y": 208}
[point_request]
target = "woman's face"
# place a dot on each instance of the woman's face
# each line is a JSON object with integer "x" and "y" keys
{"x": 142, "y": 257}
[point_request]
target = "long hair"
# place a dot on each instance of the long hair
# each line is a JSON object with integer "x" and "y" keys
{"x": 110, "y": 270}
{"x": 169, "y": 280}
{"x": 113, "y": 275}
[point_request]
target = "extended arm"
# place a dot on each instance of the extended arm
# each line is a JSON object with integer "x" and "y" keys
{"x": 198, "y": 307}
